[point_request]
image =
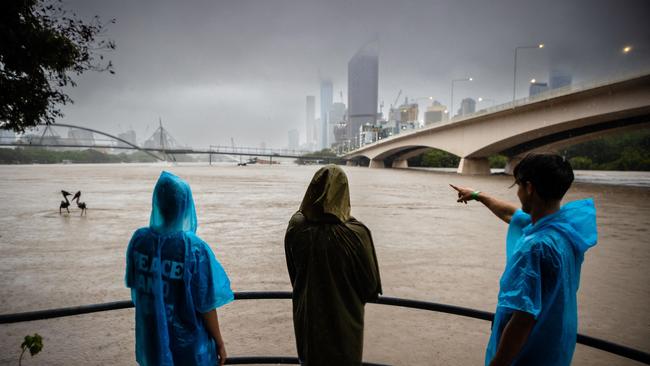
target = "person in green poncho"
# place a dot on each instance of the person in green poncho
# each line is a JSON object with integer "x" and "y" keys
{"x": 333, "y": 270}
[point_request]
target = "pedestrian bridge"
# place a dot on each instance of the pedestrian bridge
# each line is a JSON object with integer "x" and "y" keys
{"x": 546, "y": 122}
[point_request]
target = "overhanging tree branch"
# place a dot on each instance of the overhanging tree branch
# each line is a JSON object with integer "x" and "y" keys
{"x": 42, "y": 46}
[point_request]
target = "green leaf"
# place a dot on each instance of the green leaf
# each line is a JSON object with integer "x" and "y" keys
{"x": 33, "y": 343}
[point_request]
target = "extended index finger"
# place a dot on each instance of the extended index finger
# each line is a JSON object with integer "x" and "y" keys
{"x": 454, "y": 187}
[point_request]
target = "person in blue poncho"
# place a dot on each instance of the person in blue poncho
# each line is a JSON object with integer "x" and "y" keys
{"x": 176, "y": 284}
{"x": 536, "y": 319}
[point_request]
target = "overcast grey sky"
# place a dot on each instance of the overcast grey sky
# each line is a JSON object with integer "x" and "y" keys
{"x": 219, "y": 69}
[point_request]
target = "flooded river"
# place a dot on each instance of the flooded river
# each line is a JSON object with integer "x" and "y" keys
{"x": 428, "y": 246}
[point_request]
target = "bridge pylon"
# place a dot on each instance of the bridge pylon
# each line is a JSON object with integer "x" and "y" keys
{"x": 474, "y": 166}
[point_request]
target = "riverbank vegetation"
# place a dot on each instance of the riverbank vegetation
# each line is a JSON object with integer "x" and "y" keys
{"x": 327, "y": 154}
{"x": 36, "y": 155}
{"x": 628, "y": 151}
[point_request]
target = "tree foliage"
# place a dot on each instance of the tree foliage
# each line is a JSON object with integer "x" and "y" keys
{"x": 42, "y": 47}
{"x": 498, "y": 161}
{"x": 324, "y": 152}
{"x": 627, "y": 151}
{"x": 32, "y": 343}
{"x": 37, "y": 155}
{"x": 435, "y": 158}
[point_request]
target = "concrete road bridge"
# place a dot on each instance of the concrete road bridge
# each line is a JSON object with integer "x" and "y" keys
{"x": 546, "y": 122}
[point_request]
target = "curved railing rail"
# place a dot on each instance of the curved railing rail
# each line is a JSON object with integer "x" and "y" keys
{"x": 597, "y": 343}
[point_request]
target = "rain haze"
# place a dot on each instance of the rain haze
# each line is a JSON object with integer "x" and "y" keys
{"x": 212, "y": 70}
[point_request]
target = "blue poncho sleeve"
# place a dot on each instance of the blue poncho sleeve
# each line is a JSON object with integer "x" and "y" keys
{"x": 518, "y": 222}
{"x": 210, "y": 286}
{"x": 521, "y": 283}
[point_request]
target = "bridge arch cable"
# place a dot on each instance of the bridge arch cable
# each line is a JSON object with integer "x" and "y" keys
{"x": 103, "y": 134}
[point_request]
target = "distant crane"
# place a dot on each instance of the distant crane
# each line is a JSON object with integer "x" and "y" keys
{"x": 396, "y": 99}
{"x": 394, "y": 105}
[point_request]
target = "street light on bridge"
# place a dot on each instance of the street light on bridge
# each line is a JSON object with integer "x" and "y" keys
{"x": 514, "y": 79}
{"x": 451, "y": 108}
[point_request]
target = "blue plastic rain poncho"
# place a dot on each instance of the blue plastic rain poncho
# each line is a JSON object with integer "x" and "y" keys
{"x": 174, "y": 277}
{"x": 541, "y": 278}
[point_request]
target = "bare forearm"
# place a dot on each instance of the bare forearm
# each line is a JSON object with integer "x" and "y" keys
{"x": 211, "y": 321}
{"x": 502, "y": 209}
{"x": 513, "y": 339}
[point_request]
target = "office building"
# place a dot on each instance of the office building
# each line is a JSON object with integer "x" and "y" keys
{"x": 537, "y": 88}
{"x": 559, "y": 78}
{"x": 363, "y": 84}
{"x": 368, "y": 134}
{"x": 467, "y": 106}
{"x": 310, "y": 120}
{"x": 435, "y": 113}
{"x": 335, "y": 117}
{"x": 409, "y": 112}
{"x": 326, "y": 99}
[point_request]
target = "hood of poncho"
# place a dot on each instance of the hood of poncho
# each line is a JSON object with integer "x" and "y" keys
{"x": 576, "y": 220}
{"x": 328, "y": 196}
{"x": 172, "y": 206}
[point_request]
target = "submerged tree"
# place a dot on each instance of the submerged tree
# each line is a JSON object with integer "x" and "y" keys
{"x": 42, "y": 46}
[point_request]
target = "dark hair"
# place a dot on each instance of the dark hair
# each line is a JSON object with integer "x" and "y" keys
{"x": 550, "y": 174}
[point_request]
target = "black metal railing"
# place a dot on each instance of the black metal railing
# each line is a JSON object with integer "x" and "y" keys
{"x": 597, "y": 343}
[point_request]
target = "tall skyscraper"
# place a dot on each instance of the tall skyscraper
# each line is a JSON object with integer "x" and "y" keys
{"x": 363, "y": 88}
{"x": 310, "y": 121}
{"x": 467, "y": 106}
{"x": 326, "y": 99}
{"x": 536, "y": 88}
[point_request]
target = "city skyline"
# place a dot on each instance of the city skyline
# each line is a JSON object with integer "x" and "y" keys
{"x": 209, "y": 78}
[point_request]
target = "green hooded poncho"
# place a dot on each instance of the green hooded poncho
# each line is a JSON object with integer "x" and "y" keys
{"x": 333, "y": 269}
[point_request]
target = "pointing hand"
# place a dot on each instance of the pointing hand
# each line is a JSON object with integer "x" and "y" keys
{"x": 464, "y": 193}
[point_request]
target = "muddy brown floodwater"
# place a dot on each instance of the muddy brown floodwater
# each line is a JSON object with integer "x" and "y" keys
{"x": 428, "y": 246}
